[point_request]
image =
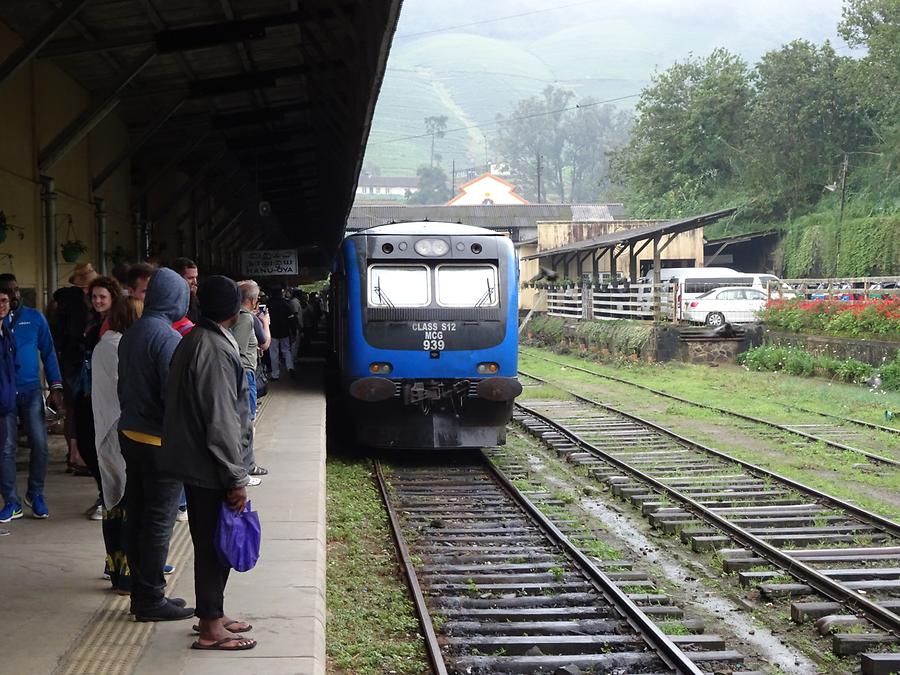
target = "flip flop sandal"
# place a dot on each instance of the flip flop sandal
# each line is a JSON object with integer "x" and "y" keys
{"x": 220, "y": 645}
{"x": 196, "y": 626}
{"x": 257, "y": 471}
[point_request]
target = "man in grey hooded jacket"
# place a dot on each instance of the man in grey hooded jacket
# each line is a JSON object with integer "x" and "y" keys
{"x": 151, "y": 498}
{"x": 206, "y": 430}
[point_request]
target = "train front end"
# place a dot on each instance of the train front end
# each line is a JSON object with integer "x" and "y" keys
{"x": 430, "y": 353}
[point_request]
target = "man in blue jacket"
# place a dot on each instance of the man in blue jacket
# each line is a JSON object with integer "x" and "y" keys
{"x": 33, "y": 345}
{"x": 151, "y": 498}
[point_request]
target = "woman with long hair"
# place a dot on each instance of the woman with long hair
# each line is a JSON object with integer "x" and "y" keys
{"x": 105, "y": 403}
{"x": 104, "y": 294}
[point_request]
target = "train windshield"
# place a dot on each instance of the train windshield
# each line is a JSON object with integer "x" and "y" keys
{"x": 467, "y": 286}
{"x": 399, "y": 286}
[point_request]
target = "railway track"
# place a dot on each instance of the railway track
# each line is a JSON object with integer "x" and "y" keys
{"x": 843, "y": 428}
{"x": 776, "y": 535}
{"x": 500, "y": 589}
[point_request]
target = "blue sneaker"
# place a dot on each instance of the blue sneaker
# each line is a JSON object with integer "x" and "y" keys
{"x": 10, "y": 512}
{"x": 168, "y": 569}
{"x": 38, "y": 507}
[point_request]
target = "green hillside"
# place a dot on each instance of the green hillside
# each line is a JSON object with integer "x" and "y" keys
{"x": 605, "y": 50}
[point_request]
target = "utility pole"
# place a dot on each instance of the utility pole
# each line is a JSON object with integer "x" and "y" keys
{"x": 844, "y": 168}
{"x": 539, "y": 178}
{"x": 837, "y": 253}
{"x": 453, "y": 179}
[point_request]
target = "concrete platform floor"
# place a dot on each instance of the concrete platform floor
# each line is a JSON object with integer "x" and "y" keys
{"x": 61, "y": 617}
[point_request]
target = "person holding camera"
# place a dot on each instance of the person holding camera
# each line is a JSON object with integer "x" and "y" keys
{"x": 251, "y": 332}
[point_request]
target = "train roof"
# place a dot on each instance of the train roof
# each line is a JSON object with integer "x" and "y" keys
{"x": 429, "y": 227}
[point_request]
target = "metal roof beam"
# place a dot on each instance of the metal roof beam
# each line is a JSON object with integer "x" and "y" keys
{"x": 250, "y": 117}
{"x": 135, "y": 145}
{"x": 29, "y": 49}
{"x": 258, "y": 79}
{"x": 170, "y": 166}
{"x": 186, "y": 189}
{"x": 82, "y": 125}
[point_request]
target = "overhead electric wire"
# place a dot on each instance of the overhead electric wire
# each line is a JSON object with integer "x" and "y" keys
{"x": 508, "y": 119}
{"x": 403, "y": 36}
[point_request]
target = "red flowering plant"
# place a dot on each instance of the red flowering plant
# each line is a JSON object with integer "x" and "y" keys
{"x": 878, "y": 319}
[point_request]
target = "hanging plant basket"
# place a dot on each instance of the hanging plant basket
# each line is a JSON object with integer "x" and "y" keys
{"x": 72, "y": 250}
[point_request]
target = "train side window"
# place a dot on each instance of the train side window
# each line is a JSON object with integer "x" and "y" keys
{"x": 467, "y": 286}
{"x": 399, "y": 286}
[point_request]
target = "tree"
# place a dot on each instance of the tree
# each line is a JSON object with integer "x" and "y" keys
{"x": 435, "y": 125}
{"x": 433, "y": 187}
{"x": 690, "y": 126}
{"x": 875, "y": 24}
{"x": 592, "y": 132}
{"x": 534, "y": 130}
{"x": 802, "y": 121}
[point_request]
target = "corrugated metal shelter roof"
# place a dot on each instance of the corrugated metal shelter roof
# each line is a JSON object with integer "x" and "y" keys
{"x": 631, "y": 236}
{"x": 495, "y": 217}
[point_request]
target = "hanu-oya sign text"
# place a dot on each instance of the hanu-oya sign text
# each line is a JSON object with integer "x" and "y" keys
{"x": 270, "y": 263}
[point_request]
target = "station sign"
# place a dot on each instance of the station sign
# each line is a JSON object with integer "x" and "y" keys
{"x": 270, "y": 263}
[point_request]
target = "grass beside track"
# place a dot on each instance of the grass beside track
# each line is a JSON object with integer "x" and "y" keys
{"x": 832, "y": 471}
{"x": 371, "y": 627}
{"x": 765, "y": 395}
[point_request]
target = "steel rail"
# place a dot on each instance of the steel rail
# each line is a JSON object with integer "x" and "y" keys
{"x": 744, "y": 416}
{"x": 667, "y": 650}
{"x": 880, "y": 616}
{"x": 435, "y": 657}
{"x": 869, "y": 517}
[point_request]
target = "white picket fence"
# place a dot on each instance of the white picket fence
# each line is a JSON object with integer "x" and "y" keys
{"x": 634, "y": 301}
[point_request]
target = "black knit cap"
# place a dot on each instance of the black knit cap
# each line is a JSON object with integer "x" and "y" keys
{"x": 220, "y": 298}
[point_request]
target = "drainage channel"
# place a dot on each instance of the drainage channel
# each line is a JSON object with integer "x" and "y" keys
{"x": 813, "y": 431}
{"x": 501, "y": 589}
{"x": 792, "y": 541}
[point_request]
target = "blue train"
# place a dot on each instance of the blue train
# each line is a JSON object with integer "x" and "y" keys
{"x": 424, "y": 332}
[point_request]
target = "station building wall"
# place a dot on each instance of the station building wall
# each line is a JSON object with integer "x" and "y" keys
{"x": 35, "y": 105}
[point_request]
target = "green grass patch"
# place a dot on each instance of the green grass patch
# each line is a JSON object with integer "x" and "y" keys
{"x": 372, "y": 626}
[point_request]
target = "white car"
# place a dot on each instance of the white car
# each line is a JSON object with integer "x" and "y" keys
{"x": 732, "y": 304}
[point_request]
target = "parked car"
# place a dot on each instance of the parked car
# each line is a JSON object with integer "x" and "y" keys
{"x": 732, "y": 304}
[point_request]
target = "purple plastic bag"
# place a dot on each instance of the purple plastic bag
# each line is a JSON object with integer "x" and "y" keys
{"x": 238, "y": 537}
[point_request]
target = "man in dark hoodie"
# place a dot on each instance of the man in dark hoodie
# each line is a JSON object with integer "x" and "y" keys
{"x": 205, "y": 433}
{"x": 151, "y": 497}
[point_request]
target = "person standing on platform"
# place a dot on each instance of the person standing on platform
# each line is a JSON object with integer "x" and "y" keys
{"x": 282, "y": 326}
{"x": 104, "y": 293}
{"x": 12, "y": 509}
{"x": 187, "y": 268}
{"x": 106, "y": 410}
{"x": 206, "y": 428}
{"x": 68, "y": 321}
{"x": 34, "y": 346}
{"x": 145, "y": 352}
{"x": 250, "y": 336}
{"x": 138, "y": 279}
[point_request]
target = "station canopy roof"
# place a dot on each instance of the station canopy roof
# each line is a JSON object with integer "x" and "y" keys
{"x": 627, "y": 237}
{"x": 280, "y": 92}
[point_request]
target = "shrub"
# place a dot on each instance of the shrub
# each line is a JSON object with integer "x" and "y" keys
{"x": 800, "y": 362}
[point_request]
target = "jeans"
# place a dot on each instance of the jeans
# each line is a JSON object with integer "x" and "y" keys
{"x": 8, "y": 458}
{"x": 151, "y": 502}
{"x": 280, "y": 347}
{"x": 248, "y": 455}
{"x": 210, "y": 576}
{"x": 30, "y": 405}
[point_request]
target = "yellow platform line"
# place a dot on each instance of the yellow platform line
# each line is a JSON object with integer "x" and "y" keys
{"x": 112, "y": 642}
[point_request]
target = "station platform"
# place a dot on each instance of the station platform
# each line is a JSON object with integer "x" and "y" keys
{"x": 61, "y": 618}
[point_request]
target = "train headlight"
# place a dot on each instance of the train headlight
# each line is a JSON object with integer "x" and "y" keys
{"x": 432, "y": 248}
{"x": 380, "y": 368}
{"x": 487, "y": 368}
